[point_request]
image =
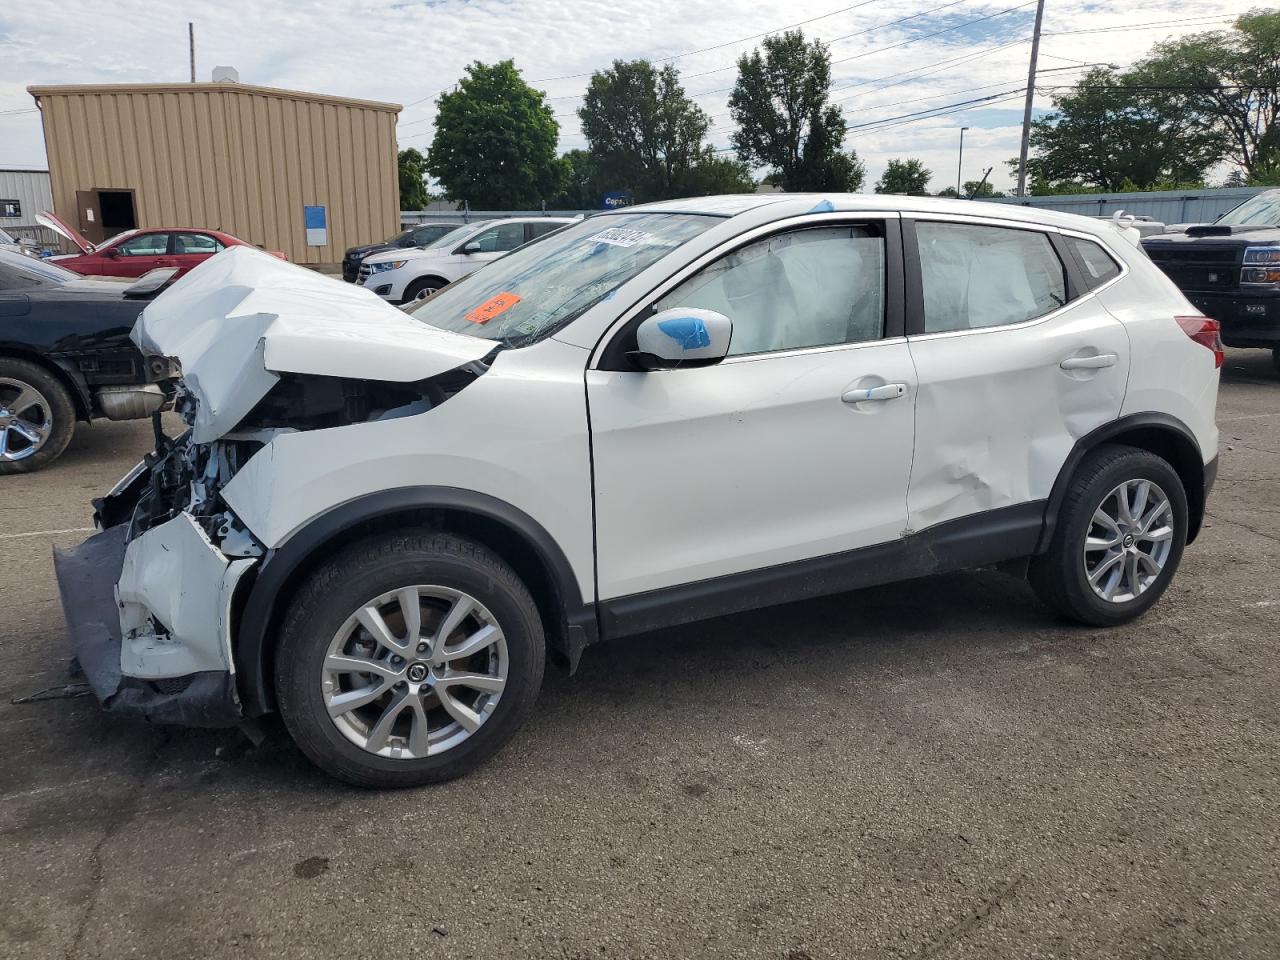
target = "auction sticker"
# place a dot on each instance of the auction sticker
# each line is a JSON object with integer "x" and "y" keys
{"x": 620, "y": 237}
{"x": 499, "y": 303}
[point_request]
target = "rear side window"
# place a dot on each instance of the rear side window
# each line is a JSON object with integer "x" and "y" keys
{"x": 1095, "y": 263}
{"x": 977, "y": 276}
{"x": 541, "y": 229}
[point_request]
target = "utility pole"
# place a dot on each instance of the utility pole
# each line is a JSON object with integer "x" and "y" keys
{"x": 191, "y": 46}
{"x": 960, "y": 162}
{"x": 1026, "y": 110}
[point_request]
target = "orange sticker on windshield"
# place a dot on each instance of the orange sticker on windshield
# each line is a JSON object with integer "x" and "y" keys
{"x": 495, "y": 305}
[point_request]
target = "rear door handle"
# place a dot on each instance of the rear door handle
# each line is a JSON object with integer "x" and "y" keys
{"x": 1089, "y": 363}
{"x": 889, "y": 391}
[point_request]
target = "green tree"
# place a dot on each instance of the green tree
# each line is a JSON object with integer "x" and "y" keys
{"x": 1115, "y": 128}
{"x": 714, "y": 174}
{"x": 581, "y": 184}
{"x": 644, "y": 133}
{"x": 495, "y": 141}
{"x": 785, "y": 120}
{"x": 905, "y": 176}
{"x": 413, "y": 180}
{"x": 1228, "y": 80}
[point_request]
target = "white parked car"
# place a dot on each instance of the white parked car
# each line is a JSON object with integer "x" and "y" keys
{"x": 404, "y": 275}
{"x": 381, "y": 521}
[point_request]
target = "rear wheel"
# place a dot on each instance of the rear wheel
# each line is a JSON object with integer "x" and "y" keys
{"x": 1118, "y": 540}
{"x": 407, "y": 659}
{"x": 37, "y": 417}
{"x": 422, "y": 288}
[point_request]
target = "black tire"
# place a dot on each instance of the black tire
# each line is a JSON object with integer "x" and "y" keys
{"x": 61, "y": 410}
{"x": 421, "y": 286}
{"x": 1059, "y": 576}
{"x": 370, "y": 568}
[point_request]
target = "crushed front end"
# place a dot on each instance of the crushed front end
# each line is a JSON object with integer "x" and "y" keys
{"x": 149, "y": 600}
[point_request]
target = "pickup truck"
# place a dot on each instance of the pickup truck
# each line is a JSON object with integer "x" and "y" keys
{"x": 1230, "y": 270}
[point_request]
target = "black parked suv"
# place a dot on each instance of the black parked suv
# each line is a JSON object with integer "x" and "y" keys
{"x": 423, "y": 235}
{"x": 65, "y": 355}
{"x": 1230, "y": 269}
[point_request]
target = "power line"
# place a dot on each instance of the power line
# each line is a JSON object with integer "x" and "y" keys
{"x": 929, "y": 36}
{"x": 727, "y": 43}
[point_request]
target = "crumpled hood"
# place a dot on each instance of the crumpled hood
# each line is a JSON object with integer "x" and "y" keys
{"x": 242, "y": 317}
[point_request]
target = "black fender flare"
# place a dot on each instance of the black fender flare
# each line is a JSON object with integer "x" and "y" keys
{"x": 1190, "y": 466}
{"x": 63, "y": 370}
{"x": 285, "y": 565}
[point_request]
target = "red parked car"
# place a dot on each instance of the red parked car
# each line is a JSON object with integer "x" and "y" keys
{"x": 135, "y": 252}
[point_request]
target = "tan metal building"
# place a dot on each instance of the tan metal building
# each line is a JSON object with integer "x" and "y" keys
{"x": 304, "y": 173}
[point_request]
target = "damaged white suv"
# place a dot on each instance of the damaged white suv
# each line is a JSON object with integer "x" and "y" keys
{"x": 380, "y": 523}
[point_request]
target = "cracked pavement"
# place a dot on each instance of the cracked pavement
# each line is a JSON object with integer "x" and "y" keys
{"x": 933, "y": 769}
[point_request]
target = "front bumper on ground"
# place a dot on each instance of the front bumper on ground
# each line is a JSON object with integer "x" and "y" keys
{"x": 1248, "y": 319}
{"x": 150, "y": 622}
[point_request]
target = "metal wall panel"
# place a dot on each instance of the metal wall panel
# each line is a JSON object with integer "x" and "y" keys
{"x": 238, "y": 158}
{"x": 32, "y": 191}
{"x": 1169, "y": 206}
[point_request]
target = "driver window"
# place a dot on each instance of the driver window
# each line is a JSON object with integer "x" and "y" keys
{"x": 807, "y": 288}
{"x": 145, "y": 245}
{"x": 500, "y": 239}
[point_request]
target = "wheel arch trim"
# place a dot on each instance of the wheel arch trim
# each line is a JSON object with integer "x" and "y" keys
{"x": 62, "y": 371}
{"x": 1191, "y": 461}
{"x": 286, "y": 565}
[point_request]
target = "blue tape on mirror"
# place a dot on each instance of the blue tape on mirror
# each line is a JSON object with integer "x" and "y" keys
{"x": 691, "y": 332}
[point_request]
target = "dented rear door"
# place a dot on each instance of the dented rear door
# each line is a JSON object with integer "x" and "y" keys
{"x": 1012, "y": 368}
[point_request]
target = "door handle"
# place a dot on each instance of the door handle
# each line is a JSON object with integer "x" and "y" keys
{"x": 1089, "y": 363}
{"x": 889, "y": 391}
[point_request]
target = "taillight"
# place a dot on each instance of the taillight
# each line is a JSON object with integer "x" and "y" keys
{"x": 1206, "y": 332}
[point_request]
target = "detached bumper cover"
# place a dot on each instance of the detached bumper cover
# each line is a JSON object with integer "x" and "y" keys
{"x": 87, "y": 577}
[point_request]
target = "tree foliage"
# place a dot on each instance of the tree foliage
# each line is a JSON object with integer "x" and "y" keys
{"x": 1113, "y": 129}
{"x": 785, "y": 122}
{"x": 581, "y": 186}
{"x": 908, "y": 176}
{"x": 413, "y": 180}
{"x": 495, "y": 141}
{"x": 1230, "y": 80}
{"x": 645, "y": 134}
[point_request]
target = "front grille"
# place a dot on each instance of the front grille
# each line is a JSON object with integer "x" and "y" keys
{"x": 1189, "y": 253}
{"x": 1198, "y": 266}
{"x": 1202, "y": 278}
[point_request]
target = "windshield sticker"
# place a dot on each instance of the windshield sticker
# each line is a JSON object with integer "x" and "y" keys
{"x": 500, "y": 303}
{"x": 621, "y": 237}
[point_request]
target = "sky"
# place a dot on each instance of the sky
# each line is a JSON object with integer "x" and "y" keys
{"x": 897, "y": 64}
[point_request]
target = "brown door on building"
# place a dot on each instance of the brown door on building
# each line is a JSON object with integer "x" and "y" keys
{"x": 104, "y": 213}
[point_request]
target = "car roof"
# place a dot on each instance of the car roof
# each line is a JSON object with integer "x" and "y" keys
{"x": 793, "y": 204}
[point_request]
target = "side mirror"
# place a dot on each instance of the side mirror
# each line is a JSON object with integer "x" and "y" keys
{"x": 682, "y": 337}
{"x": 111, "y": 253}
{"x": 472, "y": 247}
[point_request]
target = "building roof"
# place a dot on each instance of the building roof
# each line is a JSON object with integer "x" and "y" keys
{"x": 100, "y": 89}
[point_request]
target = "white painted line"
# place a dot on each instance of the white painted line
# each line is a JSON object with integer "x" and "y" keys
{"x": 45, "y": 533}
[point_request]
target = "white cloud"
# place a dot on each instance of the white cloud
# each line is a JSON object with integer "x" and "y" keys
{"x": 407, "y": 50}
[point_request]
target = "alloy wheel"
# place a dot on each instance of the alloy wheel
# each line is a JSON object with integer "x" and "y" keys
{"x": 26, "y": 420}
{"x": 1128, "y": 541}
{"x": 415, "y": 671}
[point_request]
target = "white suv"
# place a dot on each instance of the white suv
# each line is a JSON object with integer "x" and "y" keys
{"x": 405, "y": 275}
{"x": 381, "y": 521}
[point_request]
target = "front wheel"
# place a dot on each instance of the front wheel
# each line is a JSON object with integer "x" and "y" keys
{"x": 421, "y": 289}
{"x": 37, "y": 416}
{"x": 1118, "y": 540}
{"x": 408, "y": 658}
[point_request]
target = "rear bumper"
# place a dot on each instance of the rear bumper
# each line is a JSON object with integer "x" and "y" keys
{"x": 87, "y": 579}
{"x": 1248, "y": 319}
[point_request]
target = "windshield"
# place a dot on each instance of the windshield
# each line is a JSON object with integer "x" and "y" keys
{"x": 537, "y": 288}
{"x": 1262, "y": 210}
{"x": 31, "y": 271}
{"x": 5, "y": 238}
{"x": 455, "y": 235}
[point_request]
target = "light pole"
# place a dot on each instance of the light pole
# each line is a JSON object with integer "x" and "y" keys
{"x": 960, "y": 162}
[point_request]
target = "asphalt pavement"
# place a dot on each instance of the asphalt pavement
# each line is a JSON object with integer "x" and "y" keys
{"x": 933, "y": 769}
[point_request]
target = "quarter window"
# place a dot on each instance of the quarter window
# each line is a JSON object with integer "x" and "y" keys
{"x": 807, "y": 288}
{"x": 1095, "y": 263}
{"x": 196, "y": 243}
{"x": 975, "y": 276}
